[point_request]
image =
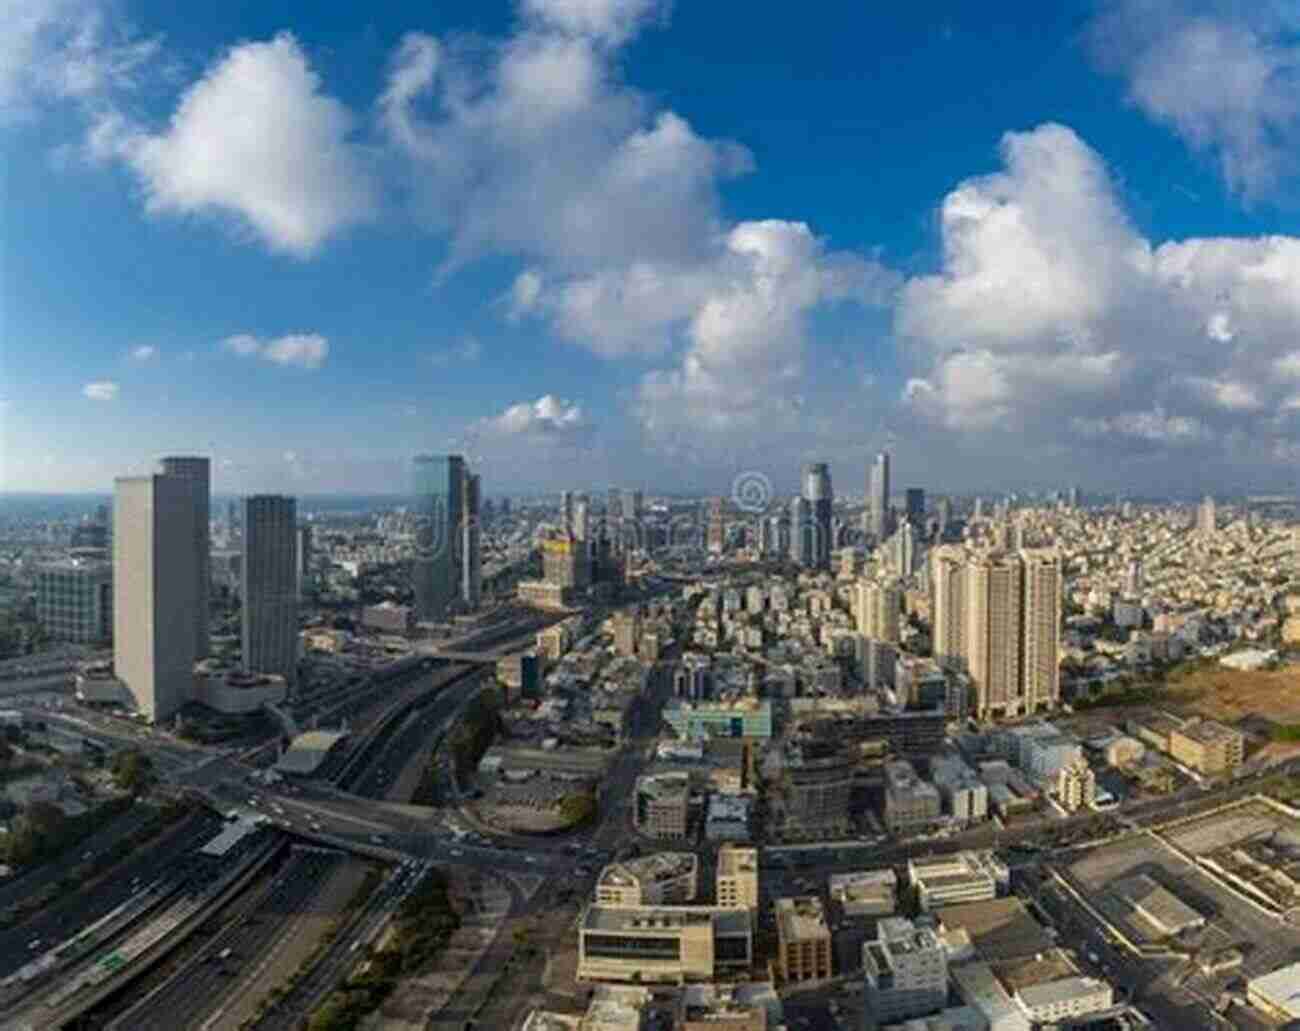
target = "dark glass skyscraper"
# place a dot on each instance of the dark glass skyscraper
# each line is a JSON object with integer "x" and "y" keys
{"x": 439, "y": 483}
{"x": 878, "y": 498}
{"x": 915, "y": 506}
{"x": 197, "y": 472}
{"x": 269, "y": 613}
{"x": 821, "y": 498}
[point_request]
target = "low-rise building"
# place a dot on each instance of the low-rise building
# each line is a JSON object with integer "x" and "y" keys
{"x": 1066, "y": 998}
{"x": 663, "y": 944}
{"x": 1277, "y": 994}
{"x": 664, "y": 878}
{"x": 803, "y": 939}
{"x": 961, "y": 877}
{"x": 911, "y": 804}
{"x": 965, "y": 797}
{"x": 1207, "y": 747}
{"x": 727, "y": 817}
{"x": 74, "y": 600}
{"x": 906, "y": 972}
{"x": 388, "y": 617}
{"x": 864, "y": 892}
{"x": 742, "y": 717}
{"x": 738, "y": 1007}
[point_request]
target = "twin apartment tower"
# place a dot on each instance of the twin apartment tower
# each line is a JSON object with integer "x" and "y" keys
{"x": 161, "y": 583}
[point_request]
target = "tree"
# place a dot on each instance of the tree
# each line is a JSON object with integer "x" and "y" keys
{"x": 132, "y": 770}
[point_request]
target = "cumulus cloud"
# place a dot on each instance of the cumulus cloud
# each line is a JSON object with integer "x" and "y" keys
{"x": 102, "y": 390}
{"x": 611, "y": 21}
{"x": 256, "y": 139}
{"x": 306, "y": 350}
{"x": 144, "y": 352}
{"x": 1053, "y": 319}
{"x": 1222, "y": 75}
{"x": 548, "y": 416}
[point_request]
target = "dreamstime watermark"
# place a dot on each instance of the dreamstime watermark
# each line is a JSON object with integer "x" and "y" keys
{"x": 751, "y": 492}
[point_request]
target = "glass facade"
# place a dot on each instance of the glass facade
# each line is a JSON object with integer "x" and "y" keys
{"x": 74, "y": 602}
{"x": 438, "y": 490}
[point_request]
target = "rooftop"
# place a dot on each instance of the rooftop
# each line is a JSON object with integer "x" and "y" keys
{"x": 1207, "y": 731}
{"x": 664, "y": 919}
{"x": 1281, "y": 988}
{"x": 733, "y": 860}
{"x": 999, "y": 928}
{"x": 308, "y": 751}
{"x": 661, "y": 866}
{"x": 801, "y": 917}
{"x": 1061, "y": 990}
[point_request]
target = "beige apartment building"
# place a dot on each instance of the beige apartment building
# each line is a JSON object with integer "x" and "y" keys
{"x": 879, "y": 608}
{"x": 663, "y": 805}
{"x": 803, "y": 939}
{"x": 1207, "y": 746}
{"x": 737, "y": 877}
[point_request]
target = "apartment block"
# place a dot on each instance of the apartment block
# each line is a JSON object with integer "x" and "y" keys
{"x": 906, "y": 972}
{"x": 911, "y": 804}
{"x": 664, "y": 878}
{"x": 737, "y": 877}
{"x": 803, "y": 939}
{"x": 1207, "y": 747}
{"x": 663, "y": 805}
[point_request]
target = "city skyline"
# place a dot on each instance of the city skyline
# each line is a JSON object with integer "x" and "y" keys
{"x": 1092, "y": 280}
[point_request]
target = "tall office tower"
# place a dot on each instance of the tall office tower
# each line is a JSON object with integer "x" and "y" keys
{"x": 1126, "y": 510}
{"x": 566, "y": 511}
{"x": 779, "y": 536}
{"x": 900, "y": 550}
{"x": 800, "y": 532}
{"x": 269, "y": 612}
{"x": 471, "y": 545}
{"x": 1206, "y": 517}
{"x": 614, "y": 518}
{"x": 581, "y": 519}
{"x": 1072, "y": 497}
{"x": 915, "y": 506}
{"x": 992, "y": 635}
{"x": 197, "y": 472}
{"x": 716, "y": 526}
{"x": 439, "y": 508}
{"x": 820, "y": 496}
{"x": 880, "y": 604}
{"x": 1040, "y": 674}
{"x": 157, "y": 592}
{"x": 303, "y": 541}
{"x": 947, "y": 603}
{"x": 978, "y": 512}
{"x": 763, "y": 541}
{"x": 944, "y": 510}
{"x": 631, "y": 504}
{"x": 878, "y": 498}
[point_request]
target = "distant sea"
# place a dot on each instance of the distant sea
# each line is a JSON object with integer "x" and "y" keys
{"x": 48, "y": 507}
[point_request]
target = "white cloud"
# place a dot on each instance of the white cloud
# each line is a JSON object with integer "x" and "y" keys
{"x": 307, "y": 350}
{"x": 467, "y": 350}
{"x": 257, "y": 139}
{"x": 548, "y": 416}
{"x": 1221, "y": 75}
{"x": 144, "y": 352}
{"x": 102, "y": 390}
{"x": 611, "y": 21}
{"x": 65, "y": 50}
{"x": 1053, "y": 319}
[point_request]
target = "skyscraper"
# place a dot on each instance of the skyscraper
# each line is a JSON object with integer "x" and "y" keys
{"x": 566, "y": 511}
{"x": 158, "y": 595}
{"x": 944, "y": 513}
{"x": 817, "y": 491}
{"x": 801, "y": 549}
{"x": 716, "y": 526}
{"x": 632, "y": 501}
{"x": 1206, "y": 517}
{"x": 197, "y": 473}
{"x": 439, "y": 509}
{"x": 304, "y": 560}
{"x": 915, "y": 506}
{"x": 581, "y": 519}
{"x": 879, "y": 607}
{"x": 471, "y": 546}
{"x": 269, "y": 614}
{"x": 878, "y": 498}
{"x": 998, "y": 615}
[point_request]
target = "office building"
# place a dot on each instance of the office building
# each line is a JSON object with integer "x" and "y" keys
{"x": 471, "y": 546}
{"x": 965, "y": 797}
{"x": 662, "y": 805}
{"x": 820, "y": 496}
{"x": 817, "y": 782}
{"x": 880, "y": 607}
{"x": 716, "y": 527}
{"x": 911, "y": 804}
{"x": 878, "y": 515}
{"x": 157, "y": 590}
{"x": 744, "y": 717}
{"x": 197, "y": 473}
{"x": 961, "y": 877}
{"x": 914, "y": 506}
{"x": 582, "y": 519}
{"x": 439, "y": 485}
{"x": 737, "y": 877}
{"x": 269, "y": 613}
{"x": 906, "y": 972}
{"x": 738, "y": 1007}
{"x": 566, "y": 512}
{"x": 803, "y": 939}
{"x": 521, "y": 675}
{"x": 663, "y": 944}
{"x": 1208, "y": 747}
{"x": 801, "y": 534}
{"x": 74, "y": 600}
{"x": 632, "y": 503}
{"x": 565, "y": 563}
{"x": 304, "y": 561}
{"x": 1206, "y": 517}
{"x": 627, "y": 628}
{"x": 661, "y": 879}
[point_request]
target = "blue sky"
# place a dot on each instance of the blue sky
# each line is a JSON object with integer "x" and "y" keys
{"x": 622, "y": 241}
